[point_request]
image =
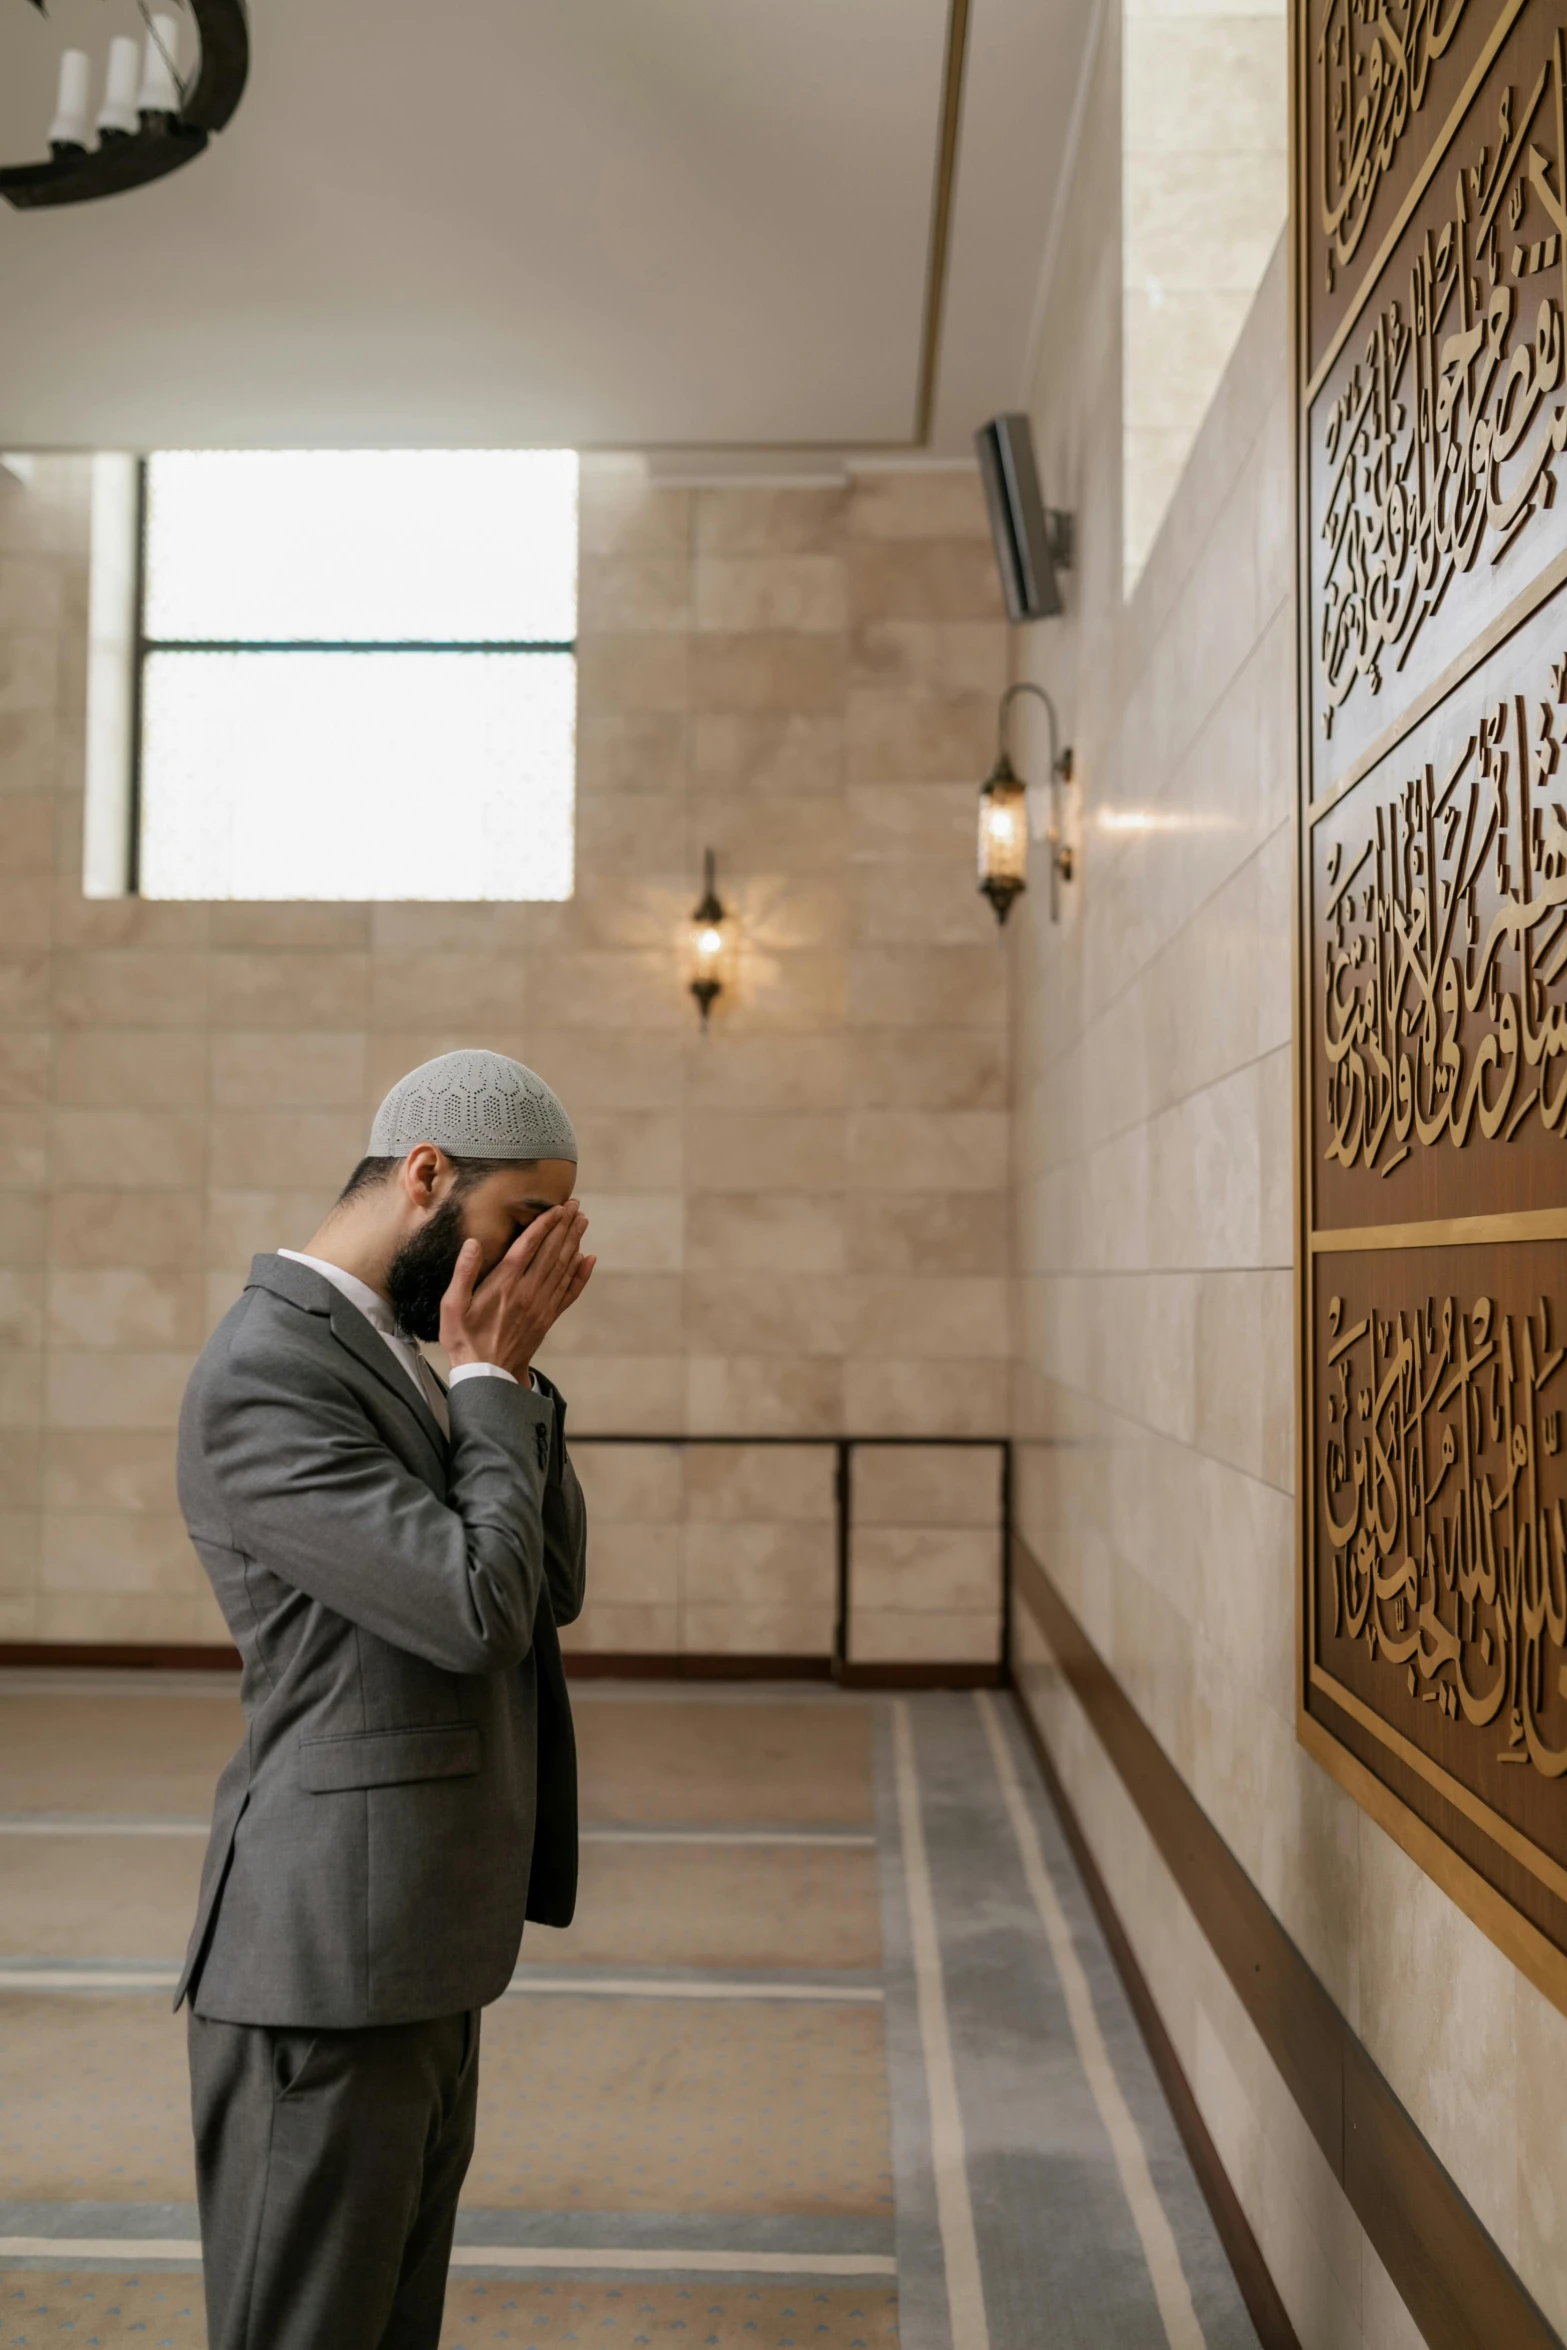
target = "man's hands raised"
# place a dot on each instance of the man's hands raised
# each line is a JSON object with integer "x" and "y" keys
{"x": 505, "y": 1317}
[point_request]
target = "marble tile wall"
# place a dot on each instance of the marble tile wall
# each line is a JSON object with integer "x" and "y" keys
{"x": 1154, "y": 1399}
{"x": 801, "y": 1213}
{"x": 925, "y": 1555}
{"x": 1204, "y": 192}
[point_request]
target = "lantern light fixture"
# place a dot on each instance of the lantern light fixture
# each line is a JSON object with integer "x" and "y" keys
{"x": 1003, "y": 837}
{"x": 1004, "y": 816}
{"x": 710, "y": 940}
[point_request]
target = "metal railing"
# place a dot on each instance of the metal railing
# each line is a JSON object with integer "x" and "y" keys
{"x": 844, "y": 1449}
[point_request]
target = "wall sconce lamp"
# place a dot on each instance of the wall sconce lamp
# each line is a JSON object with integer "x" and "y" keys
{"x": 1004, "y": 817}
{"x": 711, "y": 938}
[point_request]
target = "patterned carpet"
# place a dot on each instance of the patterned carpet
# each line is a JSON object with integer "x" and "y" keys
{"x": 806, "y": 1764}
{"x": 724, "y": 1905}
{"x": 695, "y": 2105}
{"x": 705, "y": 2112}
{"x": 142, "y": 2312}
{"x": 94, "y": 2101}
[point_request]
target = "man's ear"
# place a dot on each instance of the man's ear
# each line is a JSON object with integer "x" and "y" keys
{"x": 421, "y": 1175}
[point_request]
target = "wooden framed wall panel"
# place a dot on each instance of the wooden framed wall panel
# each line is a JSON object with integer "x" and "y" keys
{"x": 1431, "y": 374}
{"x": 1379, "y": 91}
{"x": 1433, "y": 434}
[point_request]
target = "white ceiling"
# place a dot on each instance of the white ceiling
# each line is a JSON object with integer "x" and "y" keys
{"x": 634, "y": 223}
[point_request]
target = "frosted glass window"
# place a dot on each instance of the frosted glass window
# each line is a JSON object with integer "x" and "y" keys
{"x": 363, "y": 545}
{"x": 357, "y": 775}
{"x": 358, "y": 675}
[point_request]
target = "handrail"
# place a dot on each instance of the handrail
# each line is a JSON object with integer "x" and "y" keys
{"x": 845, "y": 1448}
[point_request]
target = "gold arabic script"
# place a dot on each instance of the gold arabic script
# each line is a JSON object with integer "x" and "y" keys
{"x": 1443, "y": 439}
{"x": 1444, "y": 971}
{"x": 1449, "y": 1553}
{"x": 1373, "y": 61}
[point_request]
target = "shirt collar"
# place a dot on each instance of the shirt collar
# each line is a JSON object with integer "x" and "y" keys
{"x": 370, "y": 1302}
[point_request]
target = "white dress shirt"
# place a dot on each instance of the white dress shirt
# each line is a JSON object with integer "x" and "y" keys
{"x": 383, "y": 1321}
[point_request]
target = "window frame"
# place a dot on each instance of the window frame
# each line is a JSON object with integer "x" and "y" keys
{"x": 142, "y": 645}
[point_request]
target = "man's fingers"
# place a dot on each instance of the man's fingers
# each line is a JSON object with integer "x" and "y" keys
{"x": 553, "y": 1283}
{"x": 540, "y": 1265}
{"x": 533, "y": 1237}
{"x": 557, "y": 1244}
{"x": 459, "y": 1290}
{"x": 554, "y": 1261}
{"x": 572, "y": 1256}
{"x": 575, "y": 1284}
{"x": 582, "y": 1273}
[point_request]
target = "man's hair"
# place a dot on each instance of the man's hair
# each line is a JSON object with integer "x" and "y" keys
{"x": 371, "y": 1172}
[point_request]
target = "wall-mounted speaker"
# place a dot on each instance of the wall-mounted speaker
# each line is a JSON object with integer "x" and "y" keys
{"x": 1032, "y": 542}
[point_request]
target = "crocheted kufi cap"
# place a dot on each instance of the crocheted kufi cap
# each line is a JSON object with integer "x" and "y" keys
{"x": 474, "y": 1105}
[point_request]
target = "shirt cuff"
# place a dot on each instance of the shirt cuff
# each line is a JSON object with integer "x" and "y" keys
{"x": 480, "y": 1371}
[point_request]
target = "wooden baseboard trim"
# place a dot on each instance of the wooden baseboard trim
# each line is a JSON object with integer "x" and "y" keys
{"x": 921, "y": 1676}
{"x": 581, "y": 1665}
{"x": 121, "y": 1656}
{"x": 1258, "y": 2291}
{"x": 605, "y": 1665}
{"x": 1454, "y": 2280}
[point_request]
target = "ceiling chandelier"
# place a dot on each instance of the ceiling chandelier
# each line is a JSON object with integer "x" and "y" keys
{"x": 151, "y": 120}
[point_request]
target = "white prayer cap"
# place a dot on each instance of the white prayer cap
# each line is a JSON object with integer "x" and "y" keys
{"x": 474, "y": 1105}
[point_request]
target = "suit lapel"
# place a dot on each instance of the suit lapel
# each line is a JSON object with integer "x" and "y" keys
{"x": 367, "y": 1346}
{"x": 305, "y": 1287}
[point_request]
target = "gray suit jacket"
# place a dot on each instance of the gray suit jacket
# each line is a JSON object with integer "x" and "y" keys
{"x": 406, "y": 1789}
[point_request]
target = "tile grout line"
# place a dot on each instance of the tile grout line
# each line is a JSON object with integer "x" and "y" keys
{"x": 85, "y": 1824}
{"x": 141, "y": 2249}
{"x": 1182, "y": 2328}
{"x": 764, "y": 1839}
{"x": 72, "y": 1979}
{"x": 721, "y": 1987}
{"x": 954, "y": 2204}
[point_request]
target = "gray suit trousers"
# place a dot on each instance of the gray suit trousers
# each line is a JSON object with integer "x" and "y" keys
{"x": 328, "y": 2166}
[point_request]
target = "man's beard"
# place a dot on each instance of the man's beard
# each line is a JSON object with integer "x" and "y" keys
{"x": 421, "y": 1272}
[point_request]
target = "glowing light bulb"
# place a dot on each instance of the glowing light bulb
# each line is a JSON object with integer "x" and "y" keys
{"x": 708, "y": 941}
{"x": 1003, "y": 840}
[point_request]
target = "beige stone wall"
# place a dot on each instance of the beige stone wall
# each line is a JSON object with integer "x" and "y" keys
{"x": 1204, "y": 193}
{"x": 801, "y": 1214}
{"x": 1155, "y": 1405}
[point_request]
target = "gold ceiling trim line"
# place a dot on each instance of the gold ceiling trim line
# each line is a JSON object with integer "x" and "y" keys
{"x": 934, "y": 306}
{"x": 849, "y": 454}
{"x": 1401, "y": 219}
{"x": 941, "y": 219}
{"x": 1444, "y": 1232}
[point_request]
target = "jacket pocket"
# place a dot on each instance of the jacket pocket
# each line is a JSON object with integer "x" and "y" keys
{"x": 385, "y": 1758}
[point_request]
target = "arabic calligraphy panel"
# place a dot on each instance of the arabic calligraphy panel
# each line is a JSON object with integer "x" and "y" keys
{"x": 1433, "y": 444}
{"x": 1438, "y": 1573}
{"x": 1439, "y": 956}
{"x": 1432, "y": 420}
{"x": 1380, "y": 79}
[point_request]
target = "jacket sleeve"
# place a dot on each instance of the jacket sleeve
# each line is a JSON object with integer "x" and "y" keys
{"x": 315, "y": 1496}
{"x": 565, "y": 1516}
